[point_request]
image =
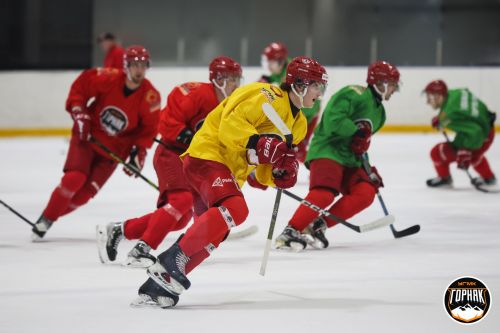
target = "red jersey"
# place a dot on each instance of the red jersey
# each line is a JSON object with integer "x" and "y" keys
{"x": 120, "y": 118}
{"x": 114, "y": 57}
{"x": 187, "y": 106}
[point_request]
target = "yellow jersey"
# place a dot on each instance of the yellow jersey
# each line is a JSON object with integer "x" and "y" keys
{"x": 225, "y": 133}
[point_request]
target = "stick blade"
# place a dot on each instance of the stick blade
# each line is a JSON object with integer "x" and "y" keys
{"x": 406, "y": 232}
{"x": 382, "y": 222}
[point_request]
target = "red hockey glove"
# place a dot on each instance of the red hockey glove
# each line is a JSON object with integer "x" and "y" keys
{"x": 360, "y": 141}
{"x": 435, "y": 122}
{"x": 464, "y": 158}
{"x": 285, "y": 174}
{"x": 272, "y": 150}
{"x": 375, "y": 178}
{"x": 136, "y": 160}
{"x": 82, "y": 122}
{"x": 252, "y": 181}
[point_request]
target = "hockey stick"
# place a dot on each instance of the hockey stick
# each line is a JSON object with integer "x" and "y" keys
{"x": 121, "y": 161}
{"x": 273, "y": 116}
{"x": 17, "y": 213}
{"x": 473, "y": 183}
{"x": 397, "y": 234}
{"x": 236, "y": 235}
{"x": 382, "y": 222}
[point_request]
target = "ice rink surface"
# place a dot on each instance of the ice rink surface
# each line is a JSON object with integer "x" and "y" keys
{"x": 362, "y": 283}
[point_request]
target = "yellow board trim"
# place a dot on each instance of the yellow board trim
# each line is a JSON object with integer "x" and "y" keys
{"x": 16, "y": 132}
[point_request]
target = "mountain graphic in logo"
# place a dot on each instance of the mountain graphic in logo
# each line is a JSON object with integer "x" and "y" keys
{"x": 467, "y": 313}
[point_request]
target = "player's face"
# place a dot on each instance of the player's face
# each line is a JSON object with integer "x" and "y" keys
{"x": 275, "y": 66}
{"x": 232, "y": 82}
{"x": 106, "y": 45}
{"x": 314, "y": 93}
{"x": 435, "y": 100}
{"x": 391, "y": 87}
{"x": 137, "y": 71}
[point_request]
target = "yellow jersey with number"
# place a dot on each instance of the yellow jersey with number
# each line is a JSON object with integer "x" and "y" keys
{"x": 225, "y": 133}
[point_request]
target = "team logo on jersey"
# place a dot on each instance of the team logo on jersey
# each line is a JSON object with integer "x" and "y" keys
{"x": 467, "y": 300}
{"x": 221, "y": 181}
{"x": 269, "y": 95}
{"x": 276, "y": 91}
{"x": 113, "y": 120}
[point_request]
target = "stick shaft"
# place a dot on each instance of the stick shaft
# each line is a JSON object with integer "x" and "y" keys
{"x": 270, "y": 233}
{"x": 17, "y": 213}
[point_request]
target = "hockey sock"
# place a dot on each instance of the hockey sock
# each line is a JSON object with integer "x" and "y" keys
{"x": 482, "y": 167}
{"x": 303, "y": 216}
{"x": 442, "y": 155}
{"x": 166, "y": 218}
{"x": 360, "y": 197}
{"x": 61, "y": 197}
{"x": 134, "y": 228}
{"x": 214, "y": 224}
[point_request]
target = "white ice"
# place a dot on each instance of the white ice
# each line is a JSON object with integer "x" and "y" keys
{"x": 362, "y": 283}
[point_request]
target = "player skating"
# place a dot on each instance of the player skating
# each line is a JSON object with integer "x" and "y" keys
{"x": 236, "y": 138}
{"x": 275, "y": 60}
{"x": 187, "y": 106}
{"x": 466, "y": 115}
{"x": 123, "y": 116}
{"x": 348, "y": 122}
{"x": 113, "y": 52}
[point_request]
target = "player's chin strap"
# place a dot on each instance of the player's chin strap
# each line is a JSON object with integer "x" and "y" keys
{"x": 221, "y": 88}
{"x": 383, "y": 94}
{"x": 300, "y": 96}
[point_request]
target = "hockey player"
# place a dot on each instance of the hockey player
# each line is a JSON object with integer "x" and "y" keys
{"x": 236, "y": 138}
{"x": 350, "y": 119}
{"x": 123, "y": 116}
{"x": 187, "y": 106}
{"x": 275, "y": 59}
{"x": 113, "y": 51}
{"x": 462, "y": 112}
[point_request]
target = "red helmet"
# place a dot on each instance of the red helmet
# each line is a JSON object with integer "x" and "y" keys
{"x": 304, "y": 70}
{"x": 223, "y": 66}
{"x": 382, "y": 71}
{"x": 436, "y": 87}
{"x": 135, "y": 53}
{"x": 276, "y": 51}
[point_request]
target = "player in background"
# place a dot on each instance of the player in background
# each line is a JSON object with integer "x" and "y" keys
{"x": 113, "y": 52}
{"x": 123, "y": 116}
{"x": 348, "y": 122}
{"x": 187, "y": 106}
{"x": 236, "y": 138}
{"x": 466, "y": 115}
{"x": 275, "y": 60}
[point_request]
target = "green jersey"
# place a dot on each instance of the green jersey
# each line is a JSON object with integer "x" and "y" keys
{"x": 332, "y": 137}
{"x": 277, "y": 79}
{"x": 467, "y": 116}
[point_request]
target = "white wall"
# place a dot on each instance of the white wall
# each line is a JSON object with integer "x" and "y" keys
{"x": 36, "y": 98}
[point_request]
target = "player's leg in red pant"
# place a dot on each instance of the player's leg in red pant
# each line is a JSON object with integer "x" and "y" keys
{"x": 325, "y": 180}
{"x": 174, "y": 203}
{"x": 359, "y": 197}
{"x": 102, "y": 168}
{"x": 442, "y": 155}
{"x": 479, "y": 160}
{"x": 76, "y": 170}
{"x": 227, "y": 207}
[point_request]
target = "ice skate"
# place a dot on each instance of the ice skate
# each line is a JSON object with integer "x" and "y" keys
{"x": 488, "y": 182}
{"x": 314, "y": 234}
{"x": 40, "y": 228}
{"x": 444, "y": 182}
{"x": 139, "y": 256}
{"x": 151, "y": 295}
{"x": 169, "y": 270}
{"x": 290, "y": 239}
{"x": 108, "y": 237}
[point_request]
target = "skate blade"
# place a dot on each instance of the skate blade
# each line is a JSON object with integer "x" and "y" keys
{"x": 101, "y": 240}
{"x": 145, "y": 301}
{"x": 313, "y": 242}
{"x": 293, "y": 247}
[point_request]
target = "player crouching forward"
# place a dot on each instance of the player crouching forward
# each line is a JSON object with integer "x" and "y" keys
{"x": 236, "y": 138}
{"x": 350, "y": 118}
{"x": 123, "y": 116}
{"x": 466, "y": 115}
{"x": 187, "y": 107}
